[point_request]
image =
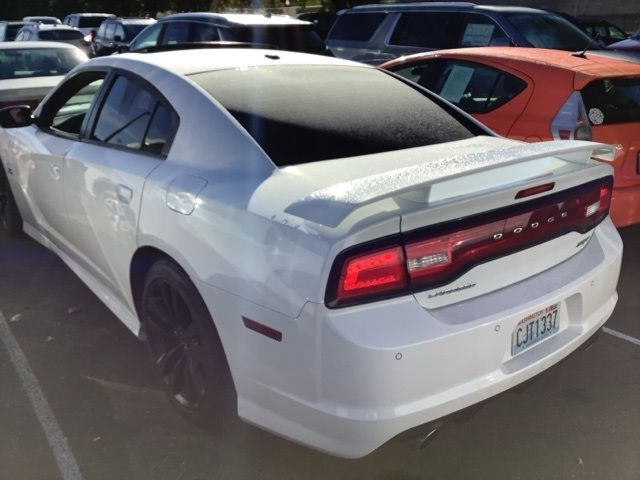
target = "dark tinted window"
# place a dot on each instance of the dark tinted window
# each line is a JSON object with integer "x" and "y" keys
{"x": 133, "y": 29}
{"x": 303, "y": 114}
{"x": 428, "y": 29}
{"x": 203, "y": 32}
{"x": 359, "y": 27}
{"x": 90, "y": 22}
{"x": 176, "y": 32}
{"x": 473, "y": 87}
{"x": 481, "y": 31}
{"x": 160, "y": 132}
{"x": 125, "y": 114}
{"x": 12, "y": 31}
{"x": 549, "y": 31}
{"x": 284, "y": 37}
{"x": 612, "y": 101}
{"x": 56, "y": 35}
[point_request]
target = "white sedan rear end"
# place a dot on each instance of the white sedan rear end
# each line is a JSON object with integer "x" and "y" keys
{"x": 358, "y": 256}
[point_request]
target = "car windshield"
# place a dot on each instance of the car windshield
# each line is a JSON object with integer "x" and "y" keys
{"x": 549, "y": 31}
{"x": 38, "y": 62}
{"x": 133, "y": 29}
{"x": 612, "y": 101}
{"x": 91, "y": 21}
{"x": 302, "y": 114}
{"x": 57, "y": 35}
{"x": 288, "y": 37}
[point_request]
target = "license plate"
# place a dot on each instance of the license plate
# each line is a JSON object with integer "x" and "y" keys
{"x": 535, "y": 328}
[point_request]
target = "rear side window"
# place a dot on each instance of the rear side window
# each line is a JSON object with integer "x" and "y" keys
{"x": 161, "y": 129}
{"x": 175, "y": 32}
{"x": 358, "y": 27}
{"x": 612, "y": 101}
{"x": 473, "y": 87}
{"x": 428, "y": 29}
{"x": 125, "y": 114}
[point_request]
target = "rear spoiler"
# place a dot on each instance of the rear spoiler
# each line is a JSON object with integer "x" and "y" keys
{"x": 331, "y": 205}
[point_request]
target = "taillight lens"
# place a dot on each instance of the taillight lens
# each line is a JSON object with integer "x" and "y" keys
{"x": 571, "y": 122}
{"x": 376, "y": 273}
{"x": 432, "y": 257}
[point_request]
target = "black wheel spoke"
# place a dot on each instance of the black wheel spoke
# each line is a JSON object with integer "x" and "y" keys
{"x": 159, "y": 316}
{"x": 176, "y": 376}
{"x": 168, "y": 360}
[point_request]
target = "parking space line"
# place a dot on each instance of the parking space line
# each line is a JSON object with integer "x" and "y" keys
{"x": 62, "y": 453}
{"x": 622, "y": 336}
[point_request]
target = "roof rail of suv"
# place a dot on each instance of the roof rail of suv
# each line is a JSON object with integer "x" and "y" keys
{"x": 406, "y": 6}
{"x": 194, "y": 45}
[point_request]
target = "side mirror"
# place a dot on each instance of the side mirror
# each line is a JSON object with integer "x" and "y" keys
{"x": 16, "y": 116}
{"x": 117, "y": 38}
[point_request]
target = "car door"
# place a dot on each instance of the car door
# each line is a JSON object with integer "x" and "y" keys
{"x": 128, "y": 136}
{"x": 56, "y": 131}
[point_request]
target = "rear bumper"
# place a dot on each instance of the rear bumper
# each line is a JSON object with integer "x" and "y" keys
{"x": 625, "y": 206}
{"x": 346, "y": 381}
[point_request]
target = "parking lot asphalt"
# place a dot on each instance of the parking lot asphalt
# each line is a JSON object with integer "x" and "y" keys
{"x": 578, "y": 420}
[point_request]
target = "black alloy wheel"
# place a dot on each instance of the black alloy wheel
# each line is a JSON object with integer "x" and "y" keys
{"x": 184, "y": 346}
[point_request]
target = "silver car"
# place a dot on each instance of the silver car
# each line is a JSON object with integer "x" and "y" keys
{"x": 55, "y": 33}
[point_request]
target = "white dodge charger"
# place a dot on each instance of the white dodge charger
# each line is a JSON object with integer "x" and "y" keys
{"x": 337, "y": 253}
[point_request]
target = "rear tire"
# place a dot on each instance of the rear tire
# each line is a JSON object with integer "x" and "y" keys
{"x": 185, "y": 347}
{"x": 10, "y": 218}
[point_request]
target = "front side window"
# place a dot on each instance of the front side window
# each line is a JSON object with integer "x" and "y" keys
{"x": 175, "y": 32}
{"x": 482, "y": 31}
{"x": 203, "y": 32}
{"x": 473, "y": 87}
{"x": 65, "y": 111}
{"x": 125, "y": 114}
{"x": 147, "y": 38}
{"x": 428, "y": 29}
{"x": 118, "y": 34}
{"x": 110, "y": 29}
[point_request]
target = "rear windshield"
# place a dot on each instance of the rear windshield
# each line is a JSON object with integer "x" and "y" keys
{"x": 612, "y": 101}
{"x": 60, "y": 35}
{"x": 286, "y": 37}
{"x": 302, "y": 114}
{"x": 549, "y": 31}
{"x": 38, "y": 62}
{"x": 91, "y": 21}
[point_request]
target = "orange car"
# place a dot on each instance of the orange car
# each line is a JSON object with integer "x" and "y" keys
{"x": 536, "y": 94}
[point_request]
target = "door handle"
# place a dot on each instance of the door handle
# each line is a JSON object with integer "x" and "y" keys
{"x": 124, "y": 194}
{"x": 55, "y": 171}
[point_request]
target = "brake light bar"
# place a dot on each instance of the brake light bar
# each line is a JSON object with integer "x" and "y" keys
{"x": 435, "y": 256}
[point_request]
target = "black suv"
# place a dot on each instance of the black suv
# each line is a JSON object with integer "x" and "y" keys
{"x": 273, "y": 31}
{"x": 115, "y": 34}
{"x": 375, "y": 33}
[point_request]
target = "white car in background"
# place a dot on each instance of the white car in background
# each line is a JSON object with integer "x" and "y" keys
{"x": 358, "y": 256}
{"x": 29, "y": 70}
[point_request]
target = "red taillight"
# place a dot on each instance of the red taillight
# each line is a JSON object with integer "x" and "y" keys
{"x": 374, "y": 273}
{"x": 432, "y": 257}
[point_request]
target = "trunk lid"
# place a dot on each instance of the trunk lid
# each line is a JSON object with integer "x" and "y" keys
{"x": 352, "y": 201}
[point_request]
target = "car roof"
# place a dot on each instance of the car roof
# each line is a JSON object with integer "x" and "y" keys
{"x": 27, "y": 45}
{"x": 131, "y": 20}
{"x": 14, "y": 22}
{"x": 236, "y": 19}
{"x": 187, "y": 62}
{"x": 589, "y": 66}
{"x": 443, "y": 5}
{"x": 86, "y": 14}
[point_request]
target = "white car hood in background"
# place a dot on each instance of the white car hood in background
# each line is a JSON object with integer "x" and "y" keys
{"x": 31, "y": 88}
